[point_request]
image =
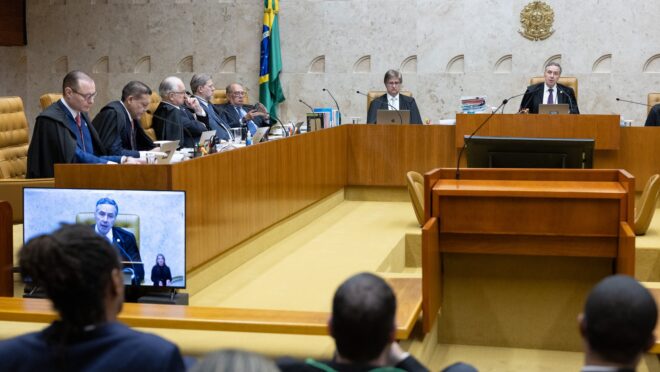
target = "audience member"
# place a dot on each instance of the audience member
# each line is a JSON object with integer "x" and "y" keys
{"x": 173, "y": 120}
{"x": 363, "y": 327}
{"x": 105, "y": 216}
{"x": 617, "y": 324}
{"x": 81, "y": 274}
{"x": 549, "y": 92}
{"x": 392, "y": 100}
{"x": 161, "y": 275}
{"x": 238, "y": 114}
{"x": 62, "y": 133}
{"x": 118, "y": 123}
{"x": 234, "y": 361}
{"x": 202, "y": 87}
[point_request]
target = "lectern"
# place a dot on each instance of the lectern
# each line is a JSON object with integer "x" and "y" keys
{"x": 540, "y": 212}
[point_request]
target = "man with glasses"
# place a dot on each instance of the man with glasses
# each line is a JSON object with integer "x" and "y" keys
{"x": 62, "y": 133}
{"x": 202, "y": 87}
{"x": 237, "y": 114}
{"x": 178, "y": 117}
{"x": 392, "y": 100}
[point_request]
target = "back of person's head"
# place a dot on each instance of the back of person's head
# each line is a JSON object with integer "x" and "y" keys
{"x": 74, "y": 266}
{"x": 363, "y": 312}
{"x": 619, "y": 319}
{"x": 136, "y": 89}
{"x": 234, "y": 361}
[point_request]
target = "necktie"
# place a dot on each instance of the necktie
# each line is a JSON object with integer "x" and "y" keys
{"x": 133, "y": 135}
{"x": 250, "y": 124}
{"x": 392, "y": 103}
{"x": 79, "y": 125}
{"x": 550, "y": 98}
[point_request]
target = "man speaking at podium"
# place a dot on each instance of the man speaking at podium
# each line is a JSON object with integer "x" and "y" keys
{"x": 392, "y": 100}
{"x": 549, "y": 92}
{"x": 105, "y": 215}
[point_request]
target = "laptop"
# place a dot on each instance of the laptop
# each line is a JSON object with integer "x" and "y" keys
{"x": 168, "y": 147}
{"x": 557, "y": 108}
{"x": 260, "y": 135}
{"x": 393, "y": 117}
{"x": 206, "y": 136}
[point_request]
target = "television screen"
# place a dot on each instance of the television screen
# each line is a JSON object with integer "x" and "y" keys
{"x": 520, "y": 152}
{"x": 148, "y": 228}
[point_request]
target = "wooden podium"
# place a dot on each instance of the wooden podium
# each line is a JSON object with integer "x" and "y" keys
{"x": 540, "y": 212}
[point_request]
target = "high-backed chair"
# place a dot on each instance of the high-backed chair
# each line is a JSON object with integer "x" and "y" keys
{"x": 415, "y": 182}
{"x": 220, "y": 97}
{"x": 147, "y": 119}
{"x": 13, "y": 156}
{"x": 571, "y": 82}
{"x": 647, "y": 205}
{"x": 654, "y": 99}
{"x": 48, "y": 99}
{"x": 373, "y": 94}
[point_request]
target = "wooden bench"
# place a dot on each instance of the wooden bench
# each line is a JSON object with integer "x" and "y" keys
{"x": 408, "y": 292}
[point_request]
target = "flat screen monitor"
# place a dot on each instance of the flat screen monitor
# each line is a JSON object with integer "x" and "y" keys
{"x": 516, "y": 152}
{"x": 148, "y": 228}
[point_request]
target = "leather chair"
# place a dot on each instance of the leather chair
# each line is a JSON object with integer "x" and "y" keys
{"x": 373, "y": 94}
{"x": 415, "y": 182}
{"x": 48, "y": 99}
{"x": 647, "y": 205}
{"x": 220, "y": 97}
{"x": 568, "y": 81}
{"x": 654, "y": 99}
{"x": 13, "y": 156}
{"x": 147, "y": 119}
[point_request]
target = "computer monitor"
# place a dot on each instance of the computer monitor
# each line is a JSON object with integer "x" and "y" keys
{"x": 148, "y": 228}
{"x": 516, "y": 152}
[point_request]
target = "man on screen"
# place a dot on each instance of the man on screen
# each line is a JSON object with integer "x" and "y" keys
{"x": 548, "y": 92}
{"x": 105, "y": 215}
{"x": 392, "y": 100}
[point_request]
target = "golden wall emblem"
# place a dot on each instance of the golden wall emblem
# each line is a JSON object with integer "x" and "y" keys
{"x": 536, "y": 19}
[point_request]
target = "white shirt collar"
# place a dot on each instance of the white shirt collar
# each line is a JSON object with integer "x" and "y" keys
{"x": 392, "y": 98}
{"x": 108, "y": 235}
{"x": 171, "y": 104}
{"x": 554, "y": 89}
{"x": 127, "y": 113}
{"x": 73, "y": 112}
{"x": 202, "y": 100}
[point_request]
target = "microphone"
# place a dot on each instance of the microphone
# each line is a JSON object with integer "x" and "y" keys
{"x": 311, "y": 109}
{"x": 529, "y": 99}
{"x": 637, "y": 103}
{"x": 336, "y": 104}
{"x": 388, "y": 105}
{"x": 466, "y": 140}
{"x": 570, "y": 100}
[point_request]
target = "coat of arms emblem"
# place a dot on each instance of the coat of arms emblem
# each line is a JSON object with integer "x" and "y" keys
{"x": 536, "y": 19}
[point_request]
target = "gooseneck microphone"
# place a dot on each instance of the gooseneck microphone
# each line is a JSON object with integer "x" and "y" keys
{"x": 570, "y": 100}
{"x": 311, "y": 109}
{"x": 637, "y": 103}
{"x": 388, "y": 105}
{"x": 336, "y": 104}
{"x": 467, "y": 140}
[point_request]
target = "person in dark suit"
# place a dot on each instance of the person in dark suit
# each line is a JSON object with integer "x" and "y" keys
{"x": 161, "y": 275}
{"x": 81, "y": 275}
{"x": 653, "y": 119}
{"x": 548, "y": 92}
{"x": 363, "y": 327}
{"x": 178, "y": 117}
{"x": 202, "y": 87}
{"x": 118, "y": 123}
{"x": 62, "y": 133}
{"x": 237, "y": 114}
{"x": 617, "y": 324}
{"x": 105, "y": 215}
{"x": 392, "y": 100}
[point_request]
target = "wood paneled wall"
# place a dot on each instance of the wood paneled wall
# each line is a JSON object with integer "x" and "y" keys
{"x": 12, "y": 23}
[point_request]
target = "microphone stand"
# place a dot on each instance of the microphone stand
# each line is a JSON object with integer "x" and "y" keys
{"x": 311, "y": 109}
{"x": 637, "y": 103}
{"x": 388, "y": 105}
{"x": 336, "y": 104}
{"x": 570, "y": 100}
{"x": 466, "y": 140}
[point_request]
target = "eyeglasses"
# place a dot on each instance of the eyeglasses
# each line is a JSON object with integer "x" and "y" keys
{"x": 181, "y": 92}
{"x": 237, "y": 94}
{"x": 394, "y": 83}
{"x": 86, "y": 97}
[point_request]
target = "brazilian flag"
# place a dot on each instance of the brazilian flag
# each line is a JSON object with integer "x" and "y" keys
{"x": 270, "y": 89}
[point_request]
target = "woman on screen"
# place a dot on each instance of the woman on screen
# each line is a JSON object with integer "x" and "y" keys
{"x": 160, "y": 273}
